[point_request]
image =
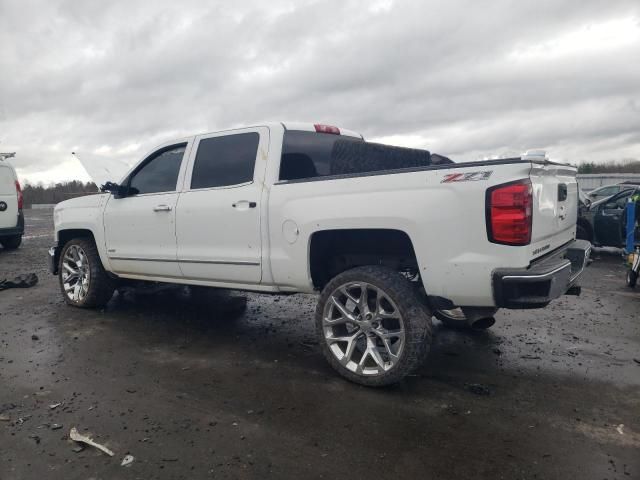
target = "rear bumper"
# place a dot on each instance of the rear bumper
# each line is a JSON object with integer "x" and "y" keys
{"x": 13, "y": 231}
{"x": 544, "y": 280}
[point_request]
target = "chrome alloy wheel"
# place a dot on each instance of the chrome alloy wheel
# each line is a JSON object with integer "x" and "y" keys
{"x": 363, "y": 328}
{"x": 76, "y": 273}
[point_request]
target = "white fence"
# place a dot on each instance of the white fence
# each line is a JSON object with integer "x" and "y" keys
{"x": 589, "y": 181}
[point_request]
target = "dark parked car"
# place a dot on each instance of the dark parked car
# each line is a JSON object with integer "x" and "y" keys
{"x": 604, "y": 222}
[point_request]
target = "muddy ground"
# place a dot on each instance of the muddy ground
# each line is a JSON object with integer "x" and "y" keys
{"x": 198, "y": 391}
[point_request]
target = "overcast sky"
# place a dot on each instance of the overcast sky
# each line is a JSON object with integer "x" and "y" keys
{"x": 465, "y": 79}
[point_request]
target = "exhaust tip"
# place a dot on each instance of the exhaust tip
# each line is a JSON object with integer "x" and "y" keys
{"x": 482, "y": 323}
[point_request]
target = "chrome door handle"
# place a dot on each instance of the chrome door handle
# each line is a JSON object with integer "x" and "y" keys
{"x": 162, "y": 208}
{"x": 243, "y": 204}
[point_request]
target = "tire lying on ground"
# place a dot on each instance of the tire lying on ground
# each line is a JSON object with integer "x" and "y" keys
{"x": 83, "y": 280}
{"x": 372, "y": 327}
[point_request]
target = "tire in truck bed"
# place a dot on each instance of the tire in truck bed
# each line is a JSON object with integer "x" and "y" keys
{"x": 348, "y": 157}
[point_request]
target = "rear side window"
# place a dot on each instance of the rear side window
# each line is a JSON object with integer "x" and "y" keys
{"x": 224, "y": 161}
{"x": 159, "y": 173}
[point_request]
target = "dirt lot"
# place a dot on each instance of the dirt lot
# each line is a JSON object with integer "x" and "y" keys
{"x": 194, "y": 391}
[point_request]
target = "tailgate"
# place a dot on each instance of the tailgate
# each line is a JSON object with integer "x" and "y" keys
{"x": 8, "y": 214}
{"x": 555, "y": 207}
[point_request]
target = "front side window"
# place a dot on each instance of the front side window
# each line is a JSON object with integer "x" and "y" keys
{"x": 159, "y": 173}
{"x": 225, "y": 161}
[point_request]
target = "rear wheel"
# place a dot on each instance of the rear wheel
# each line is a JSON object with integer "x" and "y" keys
{"x": 11, "y": 243}
{"x": 83, "y": 280}
{"x": 632, "y": 278}
{"x": 372, "y": 327}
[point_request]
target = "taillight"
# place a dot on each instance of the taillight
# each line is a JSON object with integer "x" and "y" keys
{"x": 19, "y": 192}
{"x": 509, "y": 213}
{"x": 327, "y": 129}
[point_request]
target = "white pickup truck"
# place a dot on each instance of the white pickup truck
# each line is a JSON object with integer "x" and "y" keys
{"x": 390, "y": 236}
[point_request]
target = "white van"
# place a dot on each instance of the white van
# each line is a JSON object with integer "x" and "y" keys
{"x": 11, "y": 218}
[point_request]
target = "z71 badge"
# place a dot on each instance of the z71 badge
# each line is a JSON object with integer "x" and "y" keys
{"x": 466, "y": 177}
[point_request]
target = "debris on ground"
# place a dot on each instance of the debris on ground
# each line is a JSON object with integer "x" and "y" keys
{"x": 531, "y": 357}
{"x": 127, "y": 460}
{"x": 56, "y": 426}
{"x": 637, "y": 361}
{"x": 78, "y": 437}
{"x": 21, "y": 281}
{"x": 477, "y": 388}
{"x": 620, "y": 429}
{"x": 4, "y": 418}
{"x": 54, "y": 405}
{"x": 35, "y": 337}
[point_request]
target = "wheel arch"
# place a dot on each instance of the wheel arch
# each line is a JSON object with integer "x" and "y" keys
{"x": 64, "y": 235}
{"x": 333, "y": 251}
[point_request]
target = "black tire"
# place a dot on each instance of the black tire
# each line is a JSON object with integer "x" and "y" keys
{"x": 100, "y": 285}
{"x": 582, "y": 233}
{"x": 11, "y": 243}
{"x": 415, "y": 318}
{"x": 632, "y": 278}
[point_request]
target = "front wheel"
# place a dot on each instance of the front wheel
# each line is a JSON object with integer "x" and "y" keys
{"x": 372, "y": 326}
{"x": 83, "y": 280}
{"x": 11, "y": 243}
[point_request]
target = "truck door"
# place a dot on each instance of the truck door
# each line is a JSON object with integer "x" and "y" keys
{"x": 608, "y": 220}
{"x": 139, "y": 228}
{"x": 218, "y": 213}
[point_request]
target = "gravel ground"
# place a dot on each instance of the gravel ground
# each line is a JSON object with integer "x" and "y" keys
{"x": 195, "y": 390}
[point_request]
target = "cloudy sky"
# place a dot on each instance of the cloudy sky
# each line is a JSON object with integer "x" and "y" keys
{"x": 467, "y": 79}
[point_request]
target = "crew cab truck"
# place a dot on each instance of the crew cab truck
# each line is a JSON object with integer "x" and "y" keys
{"x": 388, "y": 236}
{"x": 11, "y": 217}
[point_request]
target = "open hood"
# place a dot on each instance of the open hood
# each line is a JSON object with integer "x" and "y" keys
{"x": 103, "y": 169}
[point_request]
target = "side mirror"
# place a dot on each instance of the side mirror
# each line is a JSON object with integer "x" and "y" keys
{"x": 118, "y": 191}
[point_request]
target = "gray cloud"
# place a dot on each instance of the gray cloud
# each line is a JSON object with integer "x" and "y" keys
{"x": 466, "y": 79}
